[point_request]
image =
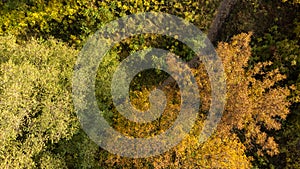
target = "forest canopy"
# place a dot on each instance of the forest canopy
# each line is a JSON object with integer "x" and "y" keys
{"x": 258, "y": 42}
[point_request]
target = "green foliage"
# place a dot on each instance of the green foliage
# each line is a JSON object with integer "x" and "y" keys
{"x": 199, "y": 12}
{"x": 38, "y": 128}
{"x": 36, "y": 106}
{"x": 103, "y": 83}
{"x": 71, "y": 21}
{"x": 285, "y": 56}
{"x": 290, "y": 139}
{"x": 292, "y": 1}
{"x": 77, "y": 152}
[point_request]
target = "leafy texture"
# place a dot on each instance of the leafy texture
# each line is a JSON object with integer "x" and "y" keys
{"x": 36, "y": 107}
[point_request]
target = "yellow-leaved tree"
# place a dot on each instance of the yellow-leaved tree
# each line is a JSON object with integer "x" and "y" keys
{"x": 255, "y": 105}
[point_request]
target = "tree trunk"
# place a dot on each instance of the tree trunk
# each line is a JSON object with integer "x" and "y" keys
{"x": 223, "y": 12}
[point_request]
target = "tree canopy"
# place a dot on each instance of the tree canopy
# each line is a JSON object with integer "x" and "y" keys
{"x": 257, "y": 41}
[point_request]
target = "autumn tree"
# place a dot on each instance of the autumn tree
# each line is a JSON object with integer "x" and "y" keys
{"x": 255, "y": 105}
